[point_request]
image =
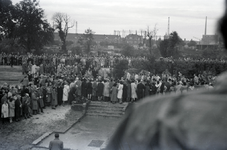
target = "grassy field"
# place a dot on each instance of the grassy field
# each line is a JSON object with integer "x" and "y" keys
{"x": 10, "y": 75}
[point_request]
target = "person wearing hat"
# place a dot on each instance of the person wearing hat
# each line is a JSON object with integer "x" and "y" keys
{"x": 26, "y": 106}
{"x": 34, "y": 100}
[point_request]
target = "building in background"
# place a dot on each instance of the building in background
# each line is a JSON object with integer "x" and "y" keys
{"x": 208, "y": 42}
{"x": 134, "y": 40}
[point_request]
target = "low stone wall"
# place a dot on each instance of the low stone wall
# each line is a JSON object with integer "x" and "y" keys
{"x": 80, "y": 106}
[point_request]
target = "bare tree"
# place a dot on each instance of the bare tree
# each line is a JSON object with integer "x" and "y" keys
{"x": 61, "y": 23}
{"x": 151, "y": 34}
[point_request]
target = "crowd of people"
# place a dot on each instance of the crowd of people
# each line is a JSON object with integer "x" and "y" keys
{"x": 52, "y": 81}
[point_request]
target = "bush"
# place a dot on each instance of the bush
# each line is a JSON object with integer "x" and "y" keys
{"x": 120, "y": 68}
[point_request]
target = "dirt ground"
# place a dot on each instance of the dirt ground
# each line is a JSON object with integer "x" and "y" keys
{"x": 20, "y": 135}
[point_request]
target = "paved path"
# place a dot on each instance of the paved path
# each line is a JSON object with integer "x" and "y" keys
{"x": 81, "y": 134}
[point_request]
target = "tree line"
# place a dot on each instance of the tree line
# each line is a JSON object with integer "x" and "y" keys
{"x": 24, "y": 28}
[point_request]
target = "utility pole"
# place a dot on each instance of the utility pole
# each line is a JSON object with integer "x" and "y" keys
{"x": 168, "y": 25}
{"x": 206, "y": 26}
{"x": 76, "y": 27}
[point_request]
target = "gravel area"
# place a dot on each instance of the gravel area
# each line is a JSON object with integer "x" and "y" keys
{"x": 20, "y": 135}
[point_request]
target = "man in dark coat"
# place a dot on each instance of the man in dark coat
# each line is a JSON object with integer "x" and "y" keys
{"x": 100, "y": 88}
{"x": 60, "y": 87}
{"x": 56, "y": 144}
{"x": 72, "y": 94}
{"x": 140, "y": 90}
{"x": 84, "y": 89}
{"x": 125, "y": 93}
{"x": 89, "y": 89}
{"x": 18, "y": 107}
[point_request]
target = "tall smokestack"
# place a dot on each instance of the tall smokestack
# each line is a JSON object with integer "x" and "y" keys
{"x": 206, "y": 26}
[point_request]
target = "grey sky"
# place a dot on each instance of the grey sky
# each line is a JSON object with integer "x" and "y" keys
{"x": 187, "y": 17}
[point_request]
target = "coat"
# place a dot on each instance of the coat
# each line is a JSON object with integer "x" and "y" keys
{"x": 11, "y": 108}
{"x": 54, "y": 100}
{"x": 65, "y": 93}
{"x": 140, "y": 90}
{"x": 106, "y": 90}
{"x": 48, "y": 94}
{"x": 34, "y": 100}
{"x": 94, "y": 88}
{"x": 100, "y": 88}
{"x": 40, "y": 95}
{"x": 56, "y": 144}
{"x": 113, "y": 97}
{"x": 128, "y": 91}
{"x": 89, "y": 88}
{"x": 120, "y": 91}
{"x": 72, "y": 93}
{"x": 125, "y": 89}
{"x": 5, "y": 110}
{"x": 84, "y": 89}
{"x": 133, "y": 90}
{"x": 25, "y": 104}
{"x": 78, "y": 87}
{"x": 18, "y": 107}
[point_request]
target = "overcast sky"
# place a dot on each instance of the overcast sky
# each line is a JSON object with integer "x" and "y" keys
{"x": 187, "y": 17}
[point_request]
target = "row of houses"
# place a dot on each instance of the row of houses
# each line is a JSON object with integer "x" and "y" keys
{"x": 132, "y": 39}
{"x": 135, "y": 40}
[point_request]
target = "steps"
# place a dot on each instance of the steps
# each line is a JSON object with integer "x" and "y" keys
{"x": 106, "y": 109}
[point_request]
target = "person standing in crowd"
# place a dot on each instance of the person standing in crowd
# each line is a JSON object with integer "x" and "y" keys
{"x": 48, "y": 93}
{"x": 100, "y": 88}
{"x": 84, "y": 89}
{"x": 113, "y": 97}
{"x": 18, "y": 107}
{"x": 25, "y": 81}
{"x": 25, "y": 105}
{"x": 3, "y": 98}
{"x": 40, "y": 98}
{"x": 120, "y": 91}
{"x": 60, "y": 87}
{"x": 133, "y": 91}
{"x": 94, "y": 90}
{"x": 89, "y": 89}
{"x": 125, "y": 89}
{"x": 5, "y": 111}
{"x": 72, "y": 94}
{"x": 65, "y": 93}
{"x": 128, "y": 84}
{"x": 11, "y": 104}
{"x": 106, "y": 91}
{"x": 34, "y": 101}
{"x": 78, "y": 84}
{"x": 54, "y": 101}
{"x": 56, "y": 144}
{"x": 147, "y": 89}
